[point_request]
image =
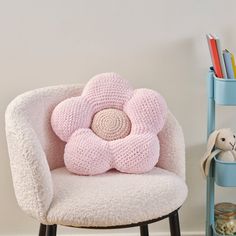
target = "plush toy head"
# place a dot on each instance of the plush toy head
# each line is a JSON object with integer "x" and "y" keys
{"x": 223, "y": 140}
{"x": 110, "y": 126}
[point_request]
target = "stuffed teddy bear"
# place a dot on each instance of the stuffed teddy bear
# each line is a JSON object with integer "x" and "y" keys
{"x": 221, "y": 143}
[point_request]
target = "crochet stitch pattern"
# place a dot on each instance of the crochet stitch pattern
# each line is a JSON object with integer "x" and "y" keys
{"x": 110, "y": 126}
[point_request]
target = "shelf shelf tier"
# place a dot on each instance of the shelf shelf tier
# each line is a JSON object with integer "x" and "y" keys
{"x": 210, "y": 179}
{"x": 221, "y": 91}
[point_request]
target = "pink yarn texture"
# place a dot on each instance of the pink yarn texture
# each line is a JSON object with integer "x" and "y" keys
{"x": 110, "y": 126}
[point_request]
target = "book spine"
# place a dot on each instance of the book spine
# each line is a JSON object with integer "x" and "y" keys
{"x": 233, "y": 65}
{"x": 209, "y": 46}
{"x": 222, "y": 64}
{"x": 228, "y": 64}
{"x": 216, "y": 59}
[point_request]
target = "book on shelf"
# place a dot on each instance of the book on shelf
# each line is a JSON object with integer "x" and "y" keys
{"x": 228, "y": 64}
{"x": 233, "y": 64}
{"x": 214, "y": 55}
{"x": 223, "y": 61}
{"x": 222, "y": 64}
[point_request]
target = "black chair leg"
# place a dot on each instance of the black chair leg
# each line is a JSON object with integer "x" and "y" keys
{"x": 174, "y": 224}
{"x": 144, "y": 230}
{"x": 42, "y": 230}
{"x": 51, "y": 230}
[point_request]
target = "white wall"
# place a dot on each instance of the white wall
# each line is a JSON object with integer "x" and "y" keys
{"x": 156, "y": 44}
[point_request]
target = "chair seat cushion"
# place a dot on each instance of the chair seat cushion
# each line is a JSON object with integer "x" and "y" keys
{"x": 114, "y": 198}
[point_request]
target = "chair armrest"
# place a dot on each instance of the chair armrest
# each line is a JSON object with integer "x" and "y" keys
{"x": 30, "y": 171}
{"x": 172, "y": 147}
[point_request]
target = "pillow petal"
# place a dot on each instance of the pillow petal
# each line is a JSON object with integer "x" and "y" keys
{"x": 87, "y": 154}
{"x": 147, "y": 111}
{"x": 70, "y": 115}
{"x": 107, "y": 90}
{"x": 137, "y": 153}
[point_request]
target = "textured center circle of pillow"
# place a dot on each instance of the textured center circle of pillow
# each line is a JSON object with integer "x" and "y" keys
{"x": 111, "y": 124}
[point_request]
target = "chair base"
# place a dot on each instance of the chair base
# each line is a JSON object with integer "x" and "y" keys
{"x": 42, "y": 230}
{"x": 174, "y": 224}
{"x": 144, "y": 230}
{"x": 51, "y": 230}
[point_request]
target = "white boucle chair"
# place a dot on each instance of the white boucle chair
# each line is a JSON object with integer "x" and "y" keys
{"x": 46, "y": 191}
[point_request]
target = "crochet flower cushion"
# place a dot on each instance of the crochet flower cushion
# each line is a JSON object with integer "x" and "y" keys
{"x": 110, "y": 126}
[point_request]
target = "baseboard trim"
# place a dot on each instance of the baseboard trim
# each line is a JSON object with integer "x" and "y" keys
{"x": 151, "y": 233}
{"x": 197, "y": 233}
{"x": 190, "y": 233}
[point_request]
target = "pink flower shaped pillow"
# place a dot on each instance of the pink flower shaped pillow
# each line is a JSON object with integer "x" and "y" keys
{"x": 110, "y": 126}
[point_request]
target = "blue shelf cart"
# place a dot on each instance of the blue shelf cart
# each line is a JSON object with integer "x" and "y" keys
{"x": 220, "y": 92}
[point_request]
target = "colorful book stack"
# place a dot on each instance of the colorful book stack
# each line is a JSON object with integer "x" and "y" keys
{"x": 223, "y": 61}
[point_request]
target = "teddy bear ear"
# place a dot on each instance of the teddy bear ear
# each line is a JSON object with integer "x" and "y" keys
{"x": 147, "y": 111}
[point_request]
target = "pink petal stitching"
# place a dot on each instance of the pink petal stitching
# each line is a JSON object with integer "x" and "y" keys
{"x": 135, "y": 153}
{"x": 147, "y": 111}
{"x": 107, "y": 90}
{"x": 71, "y": 114}
{"x": 87, "y": 154}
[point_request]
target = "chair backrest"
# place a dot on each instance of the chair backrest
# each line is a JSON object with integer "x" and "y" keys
{"x": 34, "y": 108}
